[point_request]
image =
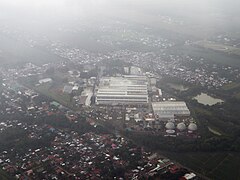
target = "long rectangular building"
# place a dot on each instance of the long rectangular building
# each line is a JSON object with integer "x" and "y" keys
{"x": 169, "y": 109}
{"x": 129, "y": 89}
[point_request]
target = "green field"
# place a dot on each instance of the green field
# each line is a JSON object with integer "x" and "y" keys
{"x": 202, "y": 111}
{"x": 4, "y": 176}
{"x": 231, "y": 86}
{"x": 233, "y": 89}
{"x": 237, "y": 95}
{"x": 55, "y": 94}
{"x": 219, "y": 166}
{"x": 207, "y": 54}
{"x": 219, "y": 47}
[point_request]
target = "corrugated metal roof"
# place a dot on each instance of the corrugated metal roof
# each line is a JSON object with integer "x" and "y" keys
{"x": 167, "y": 109}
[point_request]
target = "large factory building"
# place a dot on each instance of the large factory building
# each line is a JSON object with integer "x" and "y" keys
{"x": 129, "y": 89}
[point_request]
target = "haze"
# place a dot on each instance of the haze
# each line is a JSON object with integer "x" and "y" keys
{"x": 77, "y": 22}
{"x": 206, "y": 12}
{"x": 119, "y": 89}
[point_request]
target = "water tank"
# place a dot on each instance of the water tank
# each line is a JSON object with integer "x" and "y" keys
{"x": 170, "y": 126}
{"x": 181, "y": 127}
{"x": 192, "y": 127}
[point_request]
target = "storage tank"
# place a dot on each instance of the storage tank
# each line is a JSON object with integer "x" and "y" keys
{"x": 181, "y": 127}
{"x": 170, "y": 126}
{"x": 192, "y": 127}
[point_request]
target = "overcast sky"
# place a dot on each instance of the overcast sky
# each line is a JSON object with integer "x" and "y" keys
{"x": 45, "y": 11}
{"x": 83, "y": 6}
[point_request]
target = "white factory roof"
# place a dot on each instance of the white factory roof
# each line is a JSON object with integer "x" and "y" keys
{"x": 168, "y": 109}
{"x": 123, "y": 89}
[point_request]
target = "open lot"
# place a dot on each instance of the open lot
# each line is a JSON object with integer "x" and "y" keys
{"x": 208, "y": 54}
{"x": 231, "y": 86}
{"x": 234, "y": 89}
{"x": 219, "y": 47}
{"x": 214, "y": 165}
{"x": 55, "y": 93}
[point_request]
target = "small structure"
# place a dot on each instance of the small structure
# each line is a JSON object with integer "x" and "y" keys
{"x": 134, "y": 70}
{"x": 68, "y": 89}
{"x": 75, "y": 88}
{"x": 54, "y": 103}
{"x": 189, "y": 176}
{"x": 46, "y": 80}
{"x": 169, "y": 131}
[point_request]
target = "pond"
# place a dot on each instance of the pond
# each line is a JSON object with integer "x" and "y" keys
{"x": 178, "y": 87}
{"x": 205, "y": 99}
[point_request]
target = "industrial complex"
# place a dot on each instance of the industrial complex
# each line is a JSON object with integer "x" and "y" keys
{"x": 133, "y": 101}
{"x": 128, "y": 89}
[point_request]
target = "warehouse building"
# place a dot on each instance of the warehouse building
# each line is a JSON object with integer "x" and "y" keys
{"x": 129, "y": 89}
{"x": 170, "y": 109}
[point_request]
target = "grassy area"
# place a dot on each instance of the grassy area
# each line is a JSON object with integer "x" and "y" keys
{"x": 202, "y": 111}
{"x": 208, "y": 54}
{"x": 55, "y": 94}
{"x": 219, "y": 47}
{"x": 219, "y": 166}
{"x": 231, "y": 86}
{"x": 228, "y": 168}
{"x": 4, "y": 176}
{"x": 237, "y": 96}
{"x": 179, "y": 87}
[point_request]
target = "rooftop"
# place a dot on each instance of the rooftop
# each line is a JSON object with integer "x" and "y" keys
{"x": 168, "y": 109}
{"x": 123, "y": 89}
